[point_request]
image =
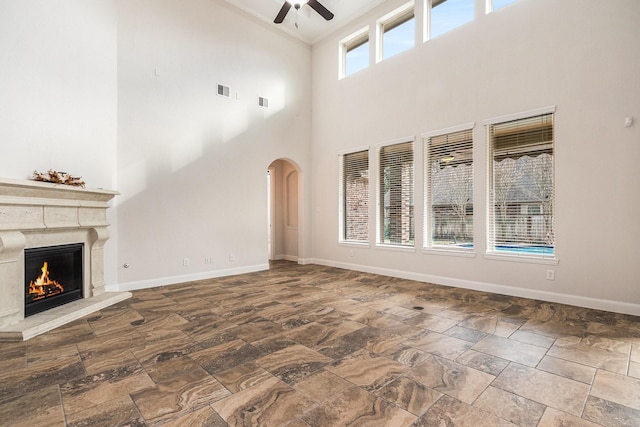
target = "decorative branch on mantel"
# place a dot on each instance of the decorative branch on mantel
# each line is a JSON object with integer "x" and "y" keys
{"x": 58, "y": 178}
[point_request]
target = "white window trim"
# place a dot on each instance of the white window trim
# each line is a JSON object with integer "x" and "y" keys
{"x": 377, "y": 147}
{"x": 380, "y": 23}
{"x": 465, "y": 253}
{"x": 343, "y": 47}
{"x": 531, "y": 259}
{"x": 396, "y": 248}
{"x": 341, "y": 224}
{"x": 426, "y": 21}
{"x": 427, "y": 246}
{"x": 510, "y": 256}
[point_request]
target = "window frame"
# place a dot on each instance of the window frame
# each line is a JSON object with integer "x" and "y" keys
{"x": 379, "y": 148}
{"x": 428, "y": 217}
{"x": 394, "y": 19}
{"x": 490, "y": 251}
{"x": 342, "y": 195}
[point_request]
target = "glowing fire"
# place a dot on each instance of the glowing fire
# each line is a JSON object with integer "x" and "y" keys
{"x": 43, "y": 286}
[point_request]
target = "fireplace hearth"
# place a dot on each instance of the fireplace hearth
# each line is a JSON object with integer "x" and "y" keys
{"x": 53, "y": 276}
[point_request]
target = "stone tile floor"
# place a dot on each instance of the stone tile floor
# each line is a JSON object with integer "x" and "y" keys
{"x": 304, "y": 346}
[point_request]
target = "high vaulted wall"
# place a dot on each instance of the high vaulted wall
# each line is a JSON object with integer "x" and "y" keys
{"x": 124, "y": 93}
{"x": 580, "y": 56}
{"x": 192, "y": 165}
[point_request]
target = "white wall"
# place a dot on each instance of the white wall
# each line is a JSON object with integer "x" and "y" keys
{"x": 191, "y": 164}
{"x": 581, "y": 56}
{"x": 58, "y": 93}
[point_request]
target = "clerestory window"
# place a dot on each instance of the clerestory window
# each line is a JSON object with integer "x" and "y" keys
{"x": 445, "y": 15}
{"x": 397, "y": 32}
{"x": 493, "y": 5}
{"x": 354, "y": 53}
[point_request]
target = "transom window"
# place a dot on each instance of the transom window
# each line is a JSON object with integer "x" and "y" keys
{"x": 521, "y": 187}
{"x": 395, "y": 198}
{"x": 445, "y": 15}
{"x": 448, "y": 163}
{"x": 354, "y": 197}
{"x": 497, "y": 4}
{"x": 397, "y": 32}
{"x": 354, "y": 53}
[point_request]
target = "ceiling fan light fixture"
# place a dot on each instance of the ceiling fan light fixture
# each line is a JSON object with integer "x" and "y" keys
{"x": 314, "y": 4}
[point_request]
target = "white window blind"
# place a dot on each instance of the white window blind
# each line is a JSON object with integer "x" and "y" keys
{"x": 396, "y": 225}
{"x": 355, "y": 196}
{"x": 448, "y": 164}
{"x": 521, "y": 196}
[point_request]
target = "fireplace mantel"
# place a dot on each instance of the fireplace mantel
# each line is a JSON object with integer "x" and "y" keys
{"x": 34, "y": 214}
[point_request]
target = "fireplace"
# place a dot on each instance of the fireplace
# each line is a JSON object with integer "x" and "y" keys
{"x": 53, "y": 235}
{"x": 53, "y": 276}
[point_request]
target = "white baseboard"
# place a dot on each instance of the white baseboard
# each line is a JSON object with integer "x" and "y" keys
{"x": 163, "y": 281}
{"x": 285, "y": 258}
{"x": 576, "y": 300}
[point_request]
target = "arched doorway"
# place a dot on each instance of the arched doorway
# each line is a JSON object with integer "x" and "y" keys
{"x": 283, "y": 210}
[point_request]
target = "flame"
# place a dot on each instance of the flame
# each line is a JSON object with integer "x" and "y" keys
{"x": 43, "y": 286}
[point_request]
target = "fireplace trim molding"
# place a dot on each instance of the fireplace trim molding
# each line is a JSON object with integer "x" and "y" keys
{"x": 36, "y": 214}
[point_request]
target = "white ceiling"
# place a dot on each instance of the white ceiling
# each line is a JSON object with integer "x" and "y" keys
{"x": 311, "y": 26}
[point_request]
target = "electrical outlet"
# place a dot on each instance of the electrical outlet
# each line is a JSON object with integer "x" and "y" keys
{"x": 232, "y": 258}
{"x": 185, "y": 262}
{"x": 208, "y": 260}
{"x": 551, "y": 275}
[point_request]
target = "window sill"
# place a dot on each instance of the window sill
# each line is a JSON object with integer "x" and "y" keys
{"x": 396, "y": 248}
{"x": 522, "y": 258}
{"x": 352, "y": 244}
{"x": 449, "y": 252}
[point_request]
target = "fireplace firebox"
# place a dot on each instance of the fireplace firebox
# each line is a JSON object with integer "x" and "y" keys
{"x": 53, "y": 276}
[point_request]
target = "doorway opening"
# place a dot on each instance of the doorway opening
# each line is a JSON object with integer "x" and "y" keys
{"x": 283, "y": 216}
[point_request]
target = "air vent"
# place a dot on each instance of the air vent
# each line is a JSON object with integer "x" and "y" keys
{"x": 263, "y": 102}
{"x": 223, "y": 90}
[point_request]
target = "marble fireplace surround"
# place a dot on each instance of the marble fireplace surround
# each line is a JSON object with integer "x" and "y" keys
{"x": 35, "y": 214}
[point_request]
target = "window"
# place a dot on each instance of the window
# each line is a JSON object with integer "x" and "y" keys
{"x": 445, "y": 15}
{"x": 354, "y": 197}
{"x": 397, "y": 32}
{"x": 497, "y": 4}
{"x": 395, "y": 199}
{"x": 448, "y": 197}
{"x": 354, "y": 53}
{"x": 521, "y": 187}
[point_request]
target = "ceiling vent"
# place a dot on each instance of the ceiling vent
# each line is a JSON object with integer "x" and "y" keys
{"x": 263, "y": 102}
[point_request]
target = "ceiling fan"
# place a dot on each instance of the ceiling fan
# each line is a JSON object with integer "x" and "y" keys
{"x": 314, "y": 4}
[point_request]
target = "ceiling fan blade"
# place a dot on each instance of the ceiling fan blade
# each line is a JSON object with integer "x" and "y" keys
{"x": 323, "y": 11}
{"x": 283, "y": 12}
